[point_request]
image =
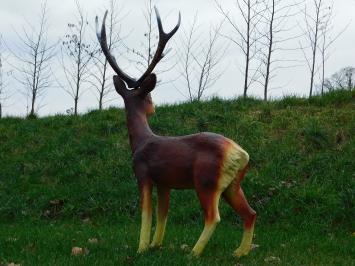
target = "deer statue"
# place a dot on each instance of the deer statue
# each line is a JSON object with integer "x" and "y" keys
{"x": 209, "y": 163}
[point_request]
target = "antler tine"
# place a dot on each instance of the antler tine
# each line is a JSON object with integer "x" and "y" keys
{"x": 163, "y": 40}
{"x": 160, "y": 26}
{"x": 101, "y": 35}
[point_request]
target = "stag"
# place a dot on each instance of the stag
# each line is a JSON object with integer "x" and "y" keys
{"x": 209, "y": 163}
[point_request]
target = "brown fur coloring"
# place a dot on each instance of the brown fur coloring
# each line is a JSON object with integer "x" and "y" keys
{"x": 209, "y": 163}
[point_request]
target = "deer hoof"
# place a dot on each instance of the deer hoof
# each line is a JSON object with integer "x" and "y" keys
{"x": 155, "y": 246}
{"x": 241, "y": 252}
{"x": 142, "y": 250}
{"x": 194, "y": 254}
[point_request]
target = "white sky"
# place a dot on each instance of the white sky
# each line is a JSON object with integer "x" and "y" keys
{"x": 14, "y": 13}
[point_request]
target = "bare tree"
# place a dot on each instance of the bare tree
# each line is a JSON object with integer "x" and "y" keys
{"x": 101, "y": 75}
{"x": 245, "y": 34}
{"x": 328, "y": 37}
{"x": 200, "y": 58}
{"x": 2, "y": 85}
{"x": 76, "y": 54}
{"x": 343, "y": 79}
{"x": 350, "y": 76}
{"x": 277, "y": 33}
{"x": 314, "y": 18}
{"x": 325, "y": 43}
{"x": 4, "y": 95}
{"x": 34, "y": 57}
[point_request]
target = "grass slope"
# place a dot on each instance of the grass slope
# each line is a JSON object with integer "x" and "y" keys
{"x": 66, "y": 179}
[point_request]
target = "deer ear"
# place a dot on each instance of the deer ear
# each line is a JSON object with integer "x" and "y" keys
{"x": 120, "y": 86}
{"x": 148, "y": 84}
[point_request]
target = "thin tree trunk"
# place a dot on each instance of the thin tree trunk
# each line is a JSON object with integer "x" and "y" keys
{"x": 100, "y": 100}
{"x": 34, "y": 83}
{"x": 33, "y": 103}
{"x": 76, "y": 105}
{"x": 76, "y": 98}
{"x": 102, "y": 91}
{"x": 246, "y": 76}
{"x": 323, "y": 75}
{"x": 78, "y": 81}
{"x": 312, "y": 74}
{"x": 271, "y": 41}
{"x": 314, "y": 52}
{"x": 323, "y": 60}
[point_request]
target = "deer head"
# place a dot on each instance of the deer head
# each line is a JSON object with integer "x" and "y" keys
{"x": 139, "y": 93}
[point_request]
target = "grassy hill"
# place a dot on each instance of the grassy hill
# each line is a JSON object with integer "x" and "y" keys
{"x": 66, "y": 179}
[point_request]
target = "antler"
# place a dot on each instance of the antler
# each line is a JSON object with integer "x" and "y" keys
{"x": 101, "y": 36}
{"x": 163, "y": 40}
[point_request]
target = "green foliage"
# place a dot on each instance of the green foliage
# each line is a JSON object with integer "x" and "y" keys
{"x": 61, "y": 170}
{"x": 290, "y": 101}
{"x": 336, "y": 97}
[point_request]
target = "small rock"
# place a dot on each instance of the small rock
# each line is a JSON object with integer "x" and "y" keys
{"x": 56, "y": 202}
{"x": 79, "y": 251}
{"x": 272, "y": 259}
{"x": 129, "y": 259}
{"x": 86, "y": 221}
{"x": 93, "y": 240}
{"x": 254, "y": 246}
{"x": 184, "y": 247}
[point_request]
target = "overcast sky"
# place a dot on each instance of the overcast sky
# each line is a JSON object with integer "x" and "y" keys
{"x": 15, "y": 13}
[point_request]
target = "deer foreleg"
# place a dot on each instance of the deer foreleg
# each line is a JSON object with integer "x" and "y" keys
{"x": 146, "y": 205}
{"x": 162, "y": 214}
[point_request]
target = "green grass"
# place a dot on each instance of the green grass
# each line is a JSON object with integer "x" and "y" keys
{"x": 51, "y": 244}
{"x": 58, "y": 172}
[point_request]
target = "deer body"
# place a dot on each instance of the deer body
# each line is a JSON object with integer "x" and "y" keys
{"x": 174, "y": 162}
{"x": 209, "y": 163}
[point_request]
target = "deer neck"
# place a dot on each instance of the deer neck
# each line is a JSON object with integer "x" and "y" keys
{"x": 138, "y": 128}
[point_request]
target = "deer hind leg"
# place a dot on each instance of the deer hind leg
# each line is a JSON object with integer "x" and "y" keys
{"x": 209, "y": 202}
{"x": 146, "y": 205}
{"x": 234, "y": 196}
{"x": 162, "y": 214}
